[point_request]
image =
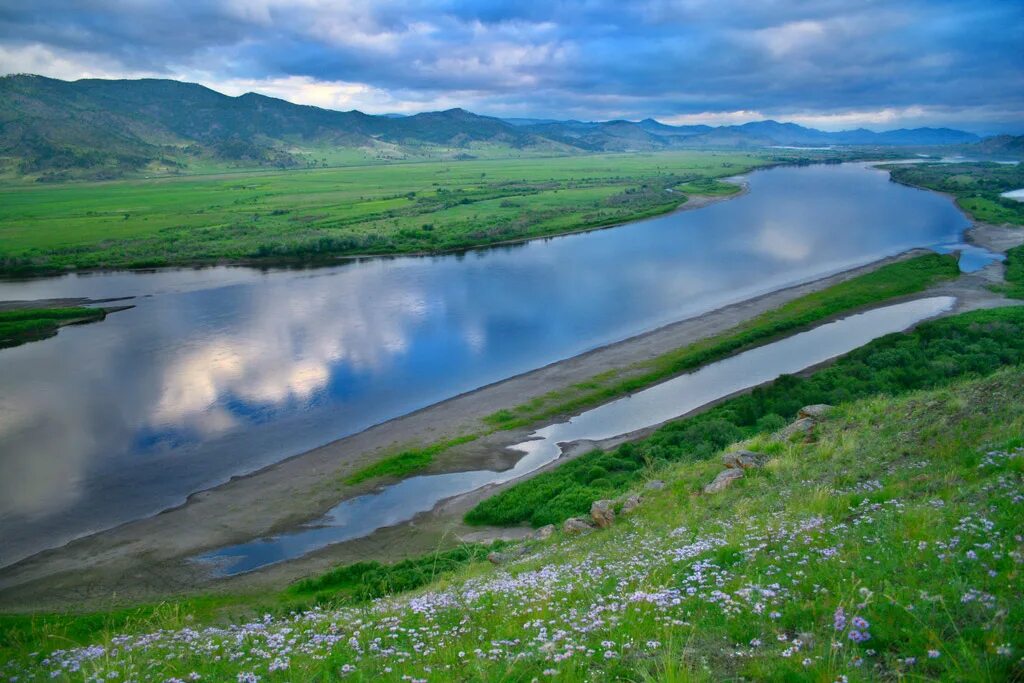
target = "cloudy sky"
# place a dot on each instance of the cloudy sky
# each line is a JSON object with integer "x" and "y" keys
{"x": 831, "y": 63}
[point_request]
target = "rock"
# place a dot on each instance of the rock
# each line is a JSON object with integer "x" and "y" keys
{"x": 602, "y": 513}
{"x": 724, "y": 479}
{"x": 743, "y": 459}
{"x": 815, "y": 412}
{"x": 631, "y": 503}
{"x": 508, "y": 556}
{"x": 576, "y": 525}
{"x": 802, "y": 426}
{"x": 544, "y": 532}
{"x": 655, "y": 485}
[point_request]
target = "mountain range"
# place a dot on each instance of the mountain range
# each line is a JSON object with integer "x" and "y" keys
{"x": 58, "y": 129}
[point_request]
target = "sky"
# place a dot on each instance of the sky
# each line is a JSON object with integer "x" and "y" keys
{"x": 830, "y": 64}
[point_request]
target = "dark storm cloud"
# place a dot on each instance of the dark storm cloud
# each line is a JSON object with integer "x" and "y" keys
{"x": 591, "y": 59}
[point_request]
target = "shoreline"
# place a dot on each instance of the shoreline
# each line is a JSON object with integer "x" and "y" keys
{"x": 154, "y": 550}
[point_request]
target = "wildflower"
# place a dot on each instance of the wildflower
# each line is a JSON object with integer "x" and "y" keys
{"x": 807, "y": 661}
{"x": 861, "y": 623}
{"x": 839, "y": 619}
{"x": 910, "y": 661}
{"x": 550, "y": 672}
{"x": 1004, "y": 650}
{"x": 933, "y": 654}
{"x": 859, "y": 636}
{"x": 247, "y": 677}
{"x": 755, "y": 642}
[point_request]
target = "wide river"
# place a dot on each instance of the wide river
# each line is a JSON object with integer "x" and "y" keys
{"x": 221, "y": 371}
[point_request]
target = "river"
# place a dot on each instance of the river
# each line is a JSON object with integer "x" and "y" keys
{"x": 221, "y": 371}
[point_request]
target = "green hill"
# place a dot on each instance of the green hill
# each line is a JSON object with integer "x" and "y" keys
{"x": 54, "y": 130}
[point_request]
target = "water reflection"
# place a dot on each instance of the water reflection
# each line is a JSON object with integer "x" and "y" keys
{"x": 221, "y": 371}
{"x": 362, "y": 515}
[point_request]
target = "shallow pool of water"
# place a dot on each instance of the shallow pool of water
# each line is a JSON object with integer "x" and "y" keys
{"x": 401, "y": 502}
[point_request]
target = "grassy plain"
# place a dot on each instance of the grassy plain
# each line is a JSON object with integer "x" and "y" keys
{"x": 885, "y": 547}
{"x": 976, "y": 186}
{"x": 319, "y": 213}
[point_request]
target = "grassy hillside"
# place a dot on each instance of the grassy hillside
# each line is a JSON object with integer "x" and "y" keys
{"x": 976, "y": 186}
{"x": 317, "y": 214}
{"x": 53, "y": 130}
{"x": 887, "y": 546}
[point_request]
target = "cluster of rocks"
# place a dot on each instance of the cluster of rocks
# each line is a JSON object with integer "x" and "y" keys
{"x": 736, "y": 462}
{"x": 602, "y": 512}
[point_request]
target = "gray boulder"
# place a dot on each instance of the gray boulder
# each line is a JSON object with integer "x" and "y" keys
{"x": 743, "y": 459}
{"x": 602, "y": 513}
{"x": 576, "y": 525}
{"x": 815, "y": 412}
{"x": 803, "y": 426}
{"x": 631, "y": 503}
{"x": 544, "y": 532}
{"x": 508, "y": 555}
{"x": 655, "y": 485}
{"x": 723, "y": 481}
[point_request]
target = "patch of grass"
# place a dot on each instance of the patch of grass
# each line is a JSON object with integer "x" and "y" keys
{"x": 893, "y": 280}
{"x": 29, "y": 324}
{"x": 367, "y": 580}
{"x": 406, "y": 462}
{"x": 1014, "y": 273}
{"x": 708, "y": 187}
{"x": 933, "y": 354}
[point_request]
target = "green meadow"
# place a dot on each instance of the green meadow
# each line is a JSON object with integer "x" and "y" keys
{"x": 316, "y": 214}
{"x": 977, "y": 187}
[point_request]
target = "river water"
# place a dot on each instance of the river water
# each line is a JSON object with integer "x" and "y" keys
{"x": 221, "y": 371}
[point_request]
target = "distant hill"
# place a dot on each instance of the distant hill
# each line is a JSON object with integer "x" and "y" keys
{"x": 55, "y": 129}
{"x": 1000, "y": 145}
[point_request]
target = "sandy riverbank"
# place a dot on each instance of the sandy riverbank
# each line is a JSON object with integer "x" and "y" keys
{"x": 147, "y": 559}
